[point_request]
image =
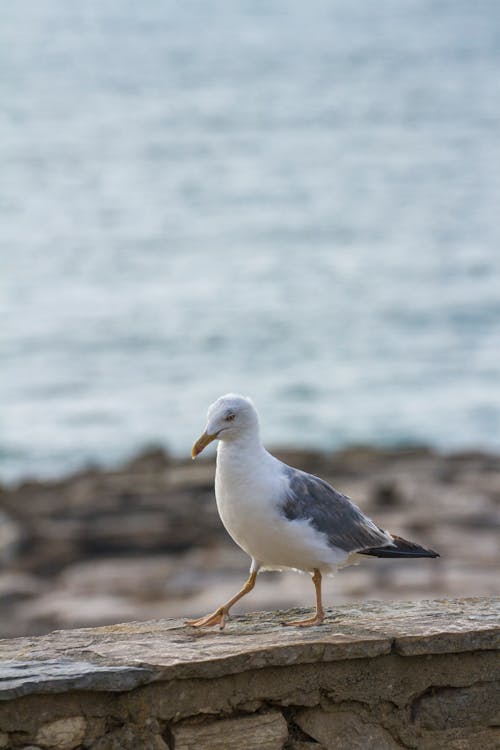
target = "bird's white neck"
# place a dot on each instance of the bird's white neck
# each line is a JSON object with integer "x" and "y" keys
{"x": 247, "y": 448}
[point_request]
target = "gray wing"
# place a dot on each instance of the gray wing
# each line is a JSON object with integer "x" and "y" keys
{"x": 310, "y": 498}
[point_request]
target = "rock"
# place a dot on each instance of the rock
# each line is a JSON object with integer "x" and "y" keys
{"x": 265, "y": 731}
{"x": 445, "y": 708}
{"x": 96, "y": 727}
{"x": 386, "y": 494}
{"x": 15, "y": 587}
{"x": 145, "y": 578}
{"x": 482, "y": 739}
{"x": 150, "y": 460}
{"x": 4, "y": 740}
{"x": 343, "y": 728}
{"x": 11, "y": 536}
{"x": 62, "y": 734}
{"x": 59, "y": 674}
{"x": 67, "y": 609}
{"x": 132, "y": 737}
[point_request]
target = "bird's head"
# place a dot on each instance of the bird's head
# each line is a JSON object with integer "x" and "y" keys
{"x": 228, "y": 418}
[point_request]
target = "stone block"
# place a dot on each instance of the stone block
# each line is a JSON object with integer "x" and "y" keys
{"x": 32, "y": 711}
{"x": 96, "y": 727}
{"x": 400, "y": 680}
{"x": 265, "y": 731}
{"x": 445, "y": 708}
{"x": 132, "y": 737}
{"x": 345, "y": 729}
{"x": 460, "y": 739}
{"x": 62, "y": 734}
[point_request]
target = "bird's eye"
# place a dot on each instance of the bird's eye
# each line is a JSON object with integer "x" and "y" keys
{"x": 230, "y": 417}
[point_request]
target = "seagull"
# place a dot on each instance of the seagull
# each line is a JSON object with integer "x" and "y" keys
{"x": 284, "y": 518}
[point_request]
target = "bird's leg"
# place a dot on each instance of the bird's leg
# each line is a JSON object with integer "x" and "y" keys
{"x": 320, "y": 615}
{"x": 219, "y": 617}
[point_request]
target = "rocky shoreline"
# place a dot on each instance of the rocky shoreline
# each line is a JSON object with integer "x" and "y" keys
{"x": 144, "y": 540}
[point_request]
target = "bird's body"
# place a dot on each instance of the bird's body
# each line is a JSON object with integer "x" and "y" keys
{"x": 280, "y": 516}
{"x": 248, "y": 499}
{"x": 257, "y": 505}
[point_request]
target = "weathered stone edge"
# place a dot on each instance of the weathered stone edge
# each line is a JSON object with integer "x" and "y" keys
{"x": 39, "y": 676}
{"x": 275, "y": 656}
{"x": 484, "y": 639}
{"x": 116, "y": 659}
{"x": 18, "y": 679}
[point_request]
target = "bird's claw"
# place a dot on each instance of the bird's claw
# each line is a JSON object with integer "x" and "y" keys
{"x": 218, "y": 617}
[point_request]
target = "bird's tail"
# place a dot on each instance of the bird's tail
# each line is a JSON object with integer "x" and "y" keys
{"x": 402, "y": 548}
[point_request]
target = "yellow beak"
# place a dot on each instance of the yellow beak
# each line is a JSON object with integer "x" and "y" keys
{"x": 201, "y": 444}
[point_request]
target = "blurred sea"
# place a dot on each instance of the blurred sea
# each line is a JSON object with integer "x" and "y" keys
{"x": 296, "y": 201}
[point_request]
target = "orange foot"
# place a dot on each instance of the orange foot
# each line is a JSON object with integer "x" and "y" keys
{"x": 218, "y": 617}
{"x": 316, "y": 620}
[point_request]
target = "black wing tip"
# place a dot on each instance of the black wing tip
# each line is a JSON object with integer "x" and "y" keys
{"x": 433, "y": 553}
{"x": 388, "y": 552}
{"x": 402, "y": 548}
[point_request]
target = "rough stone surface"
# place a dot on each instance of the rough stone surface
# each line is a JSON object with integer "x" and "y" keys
{"x": 4, "y": 739}
{"x": 445, "y": 708}
{"x": 96, "y": 728}
{"x": 263, "y": 731}
{"x": 478, "y": 739}
{"x": 52, "y": 675}
{"x": 62, "y": 734}
{"x": 385, "y": 676}
{"x": 132, "y": 737}
{"x": 121, "y": 657}
{"x": 344, "y": 728}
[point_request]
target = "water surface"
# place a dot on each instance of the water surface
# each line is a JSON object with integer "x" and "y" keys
{"x": 298, "y": 202}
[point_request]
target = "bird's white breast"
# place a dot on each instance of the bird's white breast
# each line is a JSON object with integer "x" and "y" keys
{"x": 249, "y": 488}
{"x": 247, "y": 492}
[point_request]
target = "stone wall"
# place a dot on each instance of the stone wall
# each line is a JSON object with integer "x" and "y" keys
{"x": 379, "y": 675}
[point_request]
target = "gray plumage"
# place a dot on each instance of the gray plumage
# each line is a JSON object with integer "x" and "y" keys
{"x": 310, "y": 498}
